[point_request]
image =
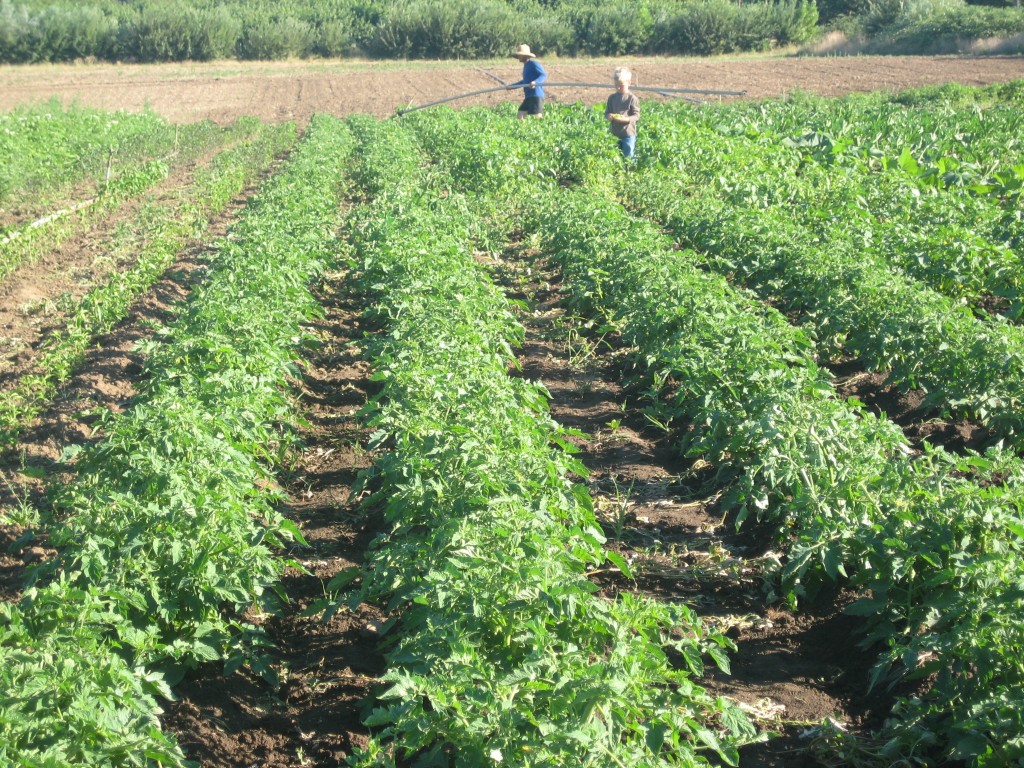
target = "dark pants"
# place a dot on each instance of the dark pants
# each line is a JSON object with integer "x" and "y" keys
{"x": 532, "y": 105}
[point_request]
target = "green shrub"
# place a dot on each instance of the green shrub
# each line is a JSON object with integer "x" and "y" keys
{"x": 614, "y": 29}
{"x": 791, "y": 22}
{"x": 333, "y": 39}
{"x": 68, "y": 32}
{"x": 163, "y": 33}
{"x": 831, "y": 10}
{"x": 435, "y": 29}
{"x": 218, "y": 35}
{"x": 997, "y": 3}
{"x": 278, "y": 39}
{"x": 974, "y": 22}
{"x": 546, "y": 33}
{"x": 948, "y": 29}
{"x": 883, "y": 14}
{"x": 712, "y": 27}
{"x": 696, "y": 29}
{"x": 17, "y": 44}
{"x": 162, "y": 30}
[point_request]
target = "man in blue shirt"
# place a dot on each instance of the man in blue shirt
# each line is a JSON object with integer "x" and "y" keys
{"x": 533, "y": 76}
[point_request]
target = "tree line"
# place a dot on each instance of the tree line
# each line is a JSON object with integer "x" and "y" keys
{"x": 202, "y": 30}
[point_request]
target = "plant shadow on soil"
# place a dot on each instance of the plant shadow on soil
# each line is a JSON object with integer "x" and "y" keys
{"x": 906, "y": 409}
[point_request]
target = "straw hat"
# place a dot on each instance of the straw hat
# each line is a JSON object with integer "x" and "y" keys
{"x": 524, "y": 50}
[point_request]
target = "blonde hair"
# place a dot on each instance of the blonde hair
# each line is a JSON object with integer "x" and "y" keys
{"x": 622, "y": 75}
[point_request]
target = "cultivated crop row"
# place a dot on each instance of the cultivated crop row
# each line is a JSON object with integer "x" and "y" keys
{"x": 25, "y": 242}
{"x": 935, "y": 543}
{"x": 887, "y": 204}
{"x": 935, "y": 555}
{"x": 167, "y": 532}
{"x": 163, "y": 236}
{"x": 853, "y": 305}
{"x": 958, "y": 135}
{"x": 500, "y": 650}
{"x": 45, "y": 148}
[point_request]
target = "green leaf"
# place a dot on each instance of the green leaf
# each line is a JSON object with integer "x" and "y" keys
{"x": 834, "y": 563}
{"x": 655, "y": 737}
{"x": 866, "y": 606}
{"x": 721, "y": 658}
{"x": 344, "y": 577}
{"x": 619, "y": 562}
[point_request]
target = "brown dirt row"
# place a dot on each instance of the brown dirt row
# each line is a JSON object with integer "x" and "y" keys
{"x": 904, "y": 408}
{"x": 223, "y": 91}
{"x": 327, "y": 669}
{"x": 791, "y": 671}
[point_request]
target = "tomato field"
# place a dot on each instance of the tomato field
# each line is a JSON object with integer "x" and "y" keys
{"x": 452, "y": 439}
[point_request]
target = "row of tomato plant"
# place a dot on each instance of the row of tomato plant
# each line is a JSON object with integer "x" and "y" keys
{"x": 28, "y": 242}
{"x": 499, "y": 649}
{"x": 159, "y": 237}
{"x": 166, "y": 534}
{"x": 964, "y": 242}
{"x": 947, "y": 137}
{"x": 46, "y": 147}
{"x": 853, "y": 306}
{"x": 744, "y": 208}
{"x": 936, "y": 555}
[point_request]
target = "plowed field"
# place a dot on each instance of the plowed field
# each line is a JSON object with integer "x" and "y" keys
{"x": 296, "y": 90}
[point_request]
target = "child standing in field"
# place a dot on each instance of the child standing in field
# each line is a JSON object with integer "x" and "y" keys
{"x": 622, "y": 111}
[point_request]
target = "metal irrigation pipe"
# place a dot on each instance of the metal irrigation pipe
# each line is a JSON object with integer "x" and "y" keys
{"x": 606, "y": 86}
{"x": 493, "y": 77}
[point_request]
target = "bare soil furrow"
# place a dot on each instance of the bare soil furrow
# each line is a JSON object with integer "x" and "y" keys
{"x": 326, "y": 669}
{"x": 906, "y": 409}
{"x": 793, "y": 671}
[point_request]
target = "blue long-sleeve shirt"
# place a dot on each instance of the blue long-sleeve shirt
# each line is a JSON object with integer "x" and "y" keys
{"x": 533, "y": 72}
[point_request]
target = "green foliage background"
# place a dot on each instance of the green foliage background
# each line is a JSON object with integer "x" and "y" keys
{"x": 159, "y": 30}
{"x": 203, "y": 30}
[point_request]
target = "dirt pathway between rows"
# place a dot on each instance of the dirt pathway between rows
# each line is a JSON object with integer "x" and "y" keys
{"x": 314, "y": 718}
{"x": 790, "y": 671}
